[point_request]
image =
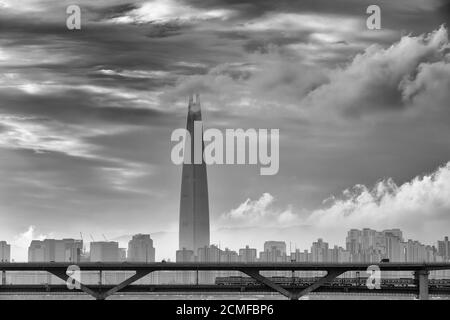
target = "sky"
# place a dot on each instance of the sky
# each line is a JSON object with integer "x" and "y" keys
{"x": 86, "y": 118}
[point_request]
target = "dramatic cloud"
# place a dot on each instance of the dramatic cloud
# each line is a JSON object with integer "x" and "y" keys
{"x": 430, "y": 85}
{"x": 86, "y": 116}
{"x": 420, "y": 207}
{"x": 375, "y": 81}
{"x": 379, "y": 78}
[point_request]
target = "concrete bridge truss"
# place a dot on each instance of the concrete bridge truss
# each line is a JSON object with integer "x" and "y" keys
{"x": 253, "y": 270}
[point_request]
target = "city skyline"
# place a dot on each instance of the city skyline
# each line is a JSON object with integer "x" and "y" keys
{"x": 141, "y": 248}
{"x": 247, "y": 207}
{"x": 260, "y": 204}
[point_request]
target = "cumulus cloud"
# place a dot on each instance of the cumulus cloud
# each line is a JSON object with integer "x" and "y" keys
{"x": 23, "y": 239}
{"x": 423, "y": 200}
{"x": 430, "y": 85}
{"x": 381, "y": 79}
{"x": 261, "y": 212}
{"x": 421, "y": 207}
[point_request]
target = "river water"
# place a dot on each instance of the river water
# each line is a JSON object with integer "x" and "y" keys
{"x": 233, "y": 296}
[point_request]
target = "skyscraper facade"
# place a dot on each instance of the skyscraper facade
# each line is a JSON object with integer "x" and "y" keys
{"x": 194, "y": 206}
{"x": 444, "y": 249}
{"x": 104, "y": 251}
{"x": 319, "y": 251}
{"x": 53, "y": 250}
{"x": 140, "y": 249}
{"x": 5, "y": 251}
{"x": 247, "y": 254}
{"x": 274, "y": 251}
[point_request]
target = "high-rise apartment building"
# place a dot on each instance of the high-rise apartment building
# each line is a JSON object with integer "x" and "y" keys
{"x": 443, "y": 249}
{"x": 53, "y": 250}
{"x": 140, "y": 249}
{"x": 104, "y": 251}
{"x": 247, "y": 255}
{"x": 5, "y": 252}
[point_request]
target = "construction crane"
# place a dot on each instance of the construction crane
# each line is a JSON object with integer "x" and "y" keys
{"x": 105, "y": 237}
{"x": 82, "y": 241}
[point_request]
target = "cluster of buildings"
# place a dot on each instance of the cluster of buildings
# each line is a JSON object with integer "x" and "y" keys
{"x": 140, "y": 249}
{"x": 366, "y": 245}
{"x": 369, "y": 245}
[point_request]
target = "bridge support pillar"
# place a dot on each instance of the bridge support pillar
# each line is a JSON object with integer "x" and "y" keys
{"x": 422, "y": 282}
{"x": 63, "y": 276}
{"x": 138, "y": 275}
{"x": 330, "y": 276}
{"x": 258, "y": 277}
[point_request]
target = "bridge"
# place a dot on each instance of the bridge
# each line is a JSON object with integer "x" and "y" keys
{"x": 253, "y": 270}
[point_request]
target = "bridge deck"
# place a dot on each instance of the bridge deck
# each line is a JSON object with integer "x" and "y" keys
{"x": 169, "y": 266}
{"x": 253, "y": 270}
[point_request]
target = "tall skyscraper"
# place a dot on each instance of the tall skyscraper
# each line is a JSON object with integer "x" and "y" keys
{"x": 194, "y": 206}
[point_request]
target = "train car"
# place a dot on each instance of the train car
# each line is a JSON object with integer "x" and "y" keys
{"x": 349, "y": 282}
{"x": 235, "y": 280}
{"x": 440, "y": 283}
{"x": 280, "y": 280}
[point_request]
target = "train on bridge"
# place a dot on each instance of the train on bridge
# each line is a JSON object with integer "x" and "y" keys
{"x": 338, "y": 282}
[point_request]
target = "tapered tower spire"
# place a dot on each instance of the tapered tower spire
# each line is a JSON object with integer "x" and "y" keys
{"x": 194, "y": 206}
